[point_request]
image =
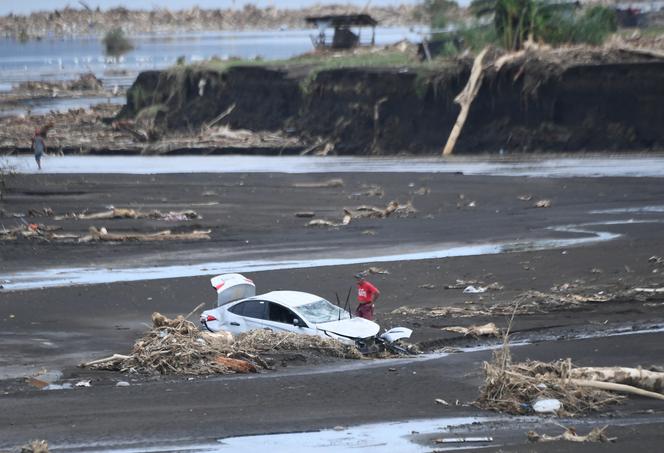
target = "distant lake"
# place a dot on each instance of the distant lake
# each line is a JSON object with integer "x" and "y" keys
{"x": 66, "y": 58}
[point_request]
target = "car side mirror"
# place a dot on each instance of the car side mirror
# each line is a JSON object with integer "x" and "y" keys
{"x": 296, "y": 322}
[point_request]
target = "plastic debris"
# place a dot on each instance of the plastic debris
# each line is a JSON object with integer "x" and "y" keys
{"x": 547, "y": 406}
{"x": 474, "y": 290}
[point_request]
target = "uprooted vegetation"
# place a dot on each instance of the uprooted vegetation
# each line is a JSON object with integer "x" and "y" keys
{"x": 519, "y": 388}
{"x": 514, "y": 387}
{"x": 531, "y": 303}
{"x": 177, "y": 346}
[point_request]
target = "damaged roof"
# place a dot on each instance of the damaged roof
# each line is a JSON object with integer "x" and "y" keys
{"x": 343, "y": 20}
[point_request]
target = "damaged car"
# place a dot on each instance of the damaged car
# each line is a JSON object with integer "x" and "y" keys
{"x": 240, "y": 310}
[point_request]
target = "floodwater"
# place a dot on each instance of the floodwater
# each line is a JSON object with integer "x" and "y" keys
{"x": 44, "y": 105}
{"x": 55, "y": 58}
{"x": 560, "y": 167}
{"x": 57, "y": 277}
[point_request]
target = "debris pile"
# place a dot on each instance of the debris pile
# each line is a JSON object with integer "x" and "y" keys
{"x": 177, "y": 346}
{"x": 85, "y": 82}
{"x": 514, "y": 387}
{"x": 265, "y": 341}
{"x": 35, "y": 446}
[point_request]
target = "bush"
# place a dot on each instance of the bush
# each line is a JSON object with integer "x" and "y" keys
{"x": 116, "y": 43}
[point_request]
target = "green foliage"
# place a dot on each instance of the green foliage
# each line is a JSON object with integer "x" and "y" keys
{"x": 438, "y": 12}
{"x": 515, "y": 21}
{"x": 116, "y": 43}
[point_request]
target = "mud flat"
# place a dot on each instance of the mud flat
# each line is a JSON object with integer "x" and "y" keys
{"x": 252, "y": 218}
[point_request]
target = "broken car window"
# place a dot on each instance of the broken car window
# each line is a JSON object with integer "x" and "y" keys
{"x": 322, "y": 311}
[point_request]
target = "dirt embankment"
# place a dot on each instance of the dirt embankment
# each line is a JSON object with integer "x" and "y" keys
{"x": 548, "y": 103}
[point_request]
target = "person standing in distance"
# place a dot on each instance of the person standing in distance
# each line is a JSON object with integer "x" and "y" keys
{"x": 38, "y": 146}
{"x": 367, "y": 295}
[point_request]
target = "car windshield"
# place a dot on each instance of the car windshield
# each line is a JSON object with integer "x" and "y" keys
{"x": 322, "y": 311}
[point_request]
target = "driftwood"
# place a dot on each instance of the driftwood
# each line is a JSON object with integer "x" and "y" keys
{"x": 465, "y": 99}
{"x": 475, "y": 331}
{"x": 126, "y": 213}
{"x": 595, "y": 435}
{"x": 613, "y": 387}
{"x": 331, "y": 183}
{"x": 643, "y": 379}
{"x": 102, "y": 234}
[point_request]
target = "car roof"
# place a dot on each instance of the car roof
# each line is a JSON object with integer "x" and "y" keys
{"x": 290, "y": 299}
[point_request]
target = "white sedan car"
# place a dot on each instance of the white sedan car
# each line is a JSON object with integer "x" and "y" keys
{"x": 240, "y": 310}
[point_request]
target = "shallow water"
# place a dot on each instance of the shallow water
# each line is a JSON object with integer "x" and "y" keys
{"x": 64, "y": 58}
{"x": 43, "y": 106}
{"x": 590, "y": 166}
{"x": 56, "y": 277}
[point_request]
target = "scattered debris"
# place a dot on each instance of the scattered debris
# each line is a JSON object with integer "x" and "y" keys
{"x": 393, "y": 208}
{"x": 48, "y": 233}
{"x": 488, "y": 329}
{"x": 473, "y": 290}
{"x": 543, "y": 204}
{"x": 375, "y": 270}
{"x": 526, "y": 197}
{"x": 465, "y": 284}
{"x": 330, "y": 183}
{"x": 441, "y": 401}
{"x": 422, "y": 191}
{"x": 595, "y": 435}
{"x": 371, "y": 190}
{"x": 427, "y": 286}
{"x": 35, "y": 446}
{"x": 85, "y": 383}
{"x": 125, "y": 213}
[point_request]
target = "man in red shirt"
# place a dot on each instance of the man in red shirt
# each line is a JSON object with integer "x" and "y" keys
{"x": 367, "y": 294}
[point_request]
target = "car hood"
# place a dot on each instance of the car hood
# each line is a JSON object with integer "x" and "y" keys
{"x": 352, "y": 328}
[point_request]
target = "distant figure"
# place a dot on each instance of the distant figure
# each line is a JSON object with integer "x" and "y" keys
{"x": 38, "y": 146}
{"x": 367, "y": 295}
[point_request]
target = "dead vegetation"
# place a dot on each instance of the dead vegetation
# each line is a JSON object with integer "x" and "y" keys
{"x": 595, "y": 435}
{"x": 50, "y": 233}
{"x": 393, "y": 209}
{"x": 514, "y": 387}
{"x": 82, "y": 131}
{"x": 127, "y": 213}
{"x": 526, "y": 303}
{"x": 177, "y": 346}
{"x": 35, "y": 446}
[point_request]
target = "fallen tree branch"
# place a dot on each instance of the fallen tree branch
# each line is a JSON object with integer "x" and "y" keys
{"x": 613, "y": 387}
{"x": 465, "y": 99}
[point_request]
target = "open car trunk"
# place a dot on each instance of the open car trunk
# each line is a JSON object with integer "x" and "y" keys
{"x": 232, "y": 287}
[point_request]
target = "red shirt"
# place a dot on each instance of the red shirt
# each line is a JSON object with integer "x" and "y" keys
{"x": 366, "y": 292}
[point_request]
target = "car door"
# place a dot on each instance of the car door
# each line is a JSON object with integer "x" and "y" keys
{"x": 246, "y": 315}
{"x": 281, "y": 319}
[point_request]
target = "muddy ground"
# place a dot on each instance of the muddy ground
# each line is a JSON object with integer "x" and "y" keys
{"x": 252, "y": 216}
